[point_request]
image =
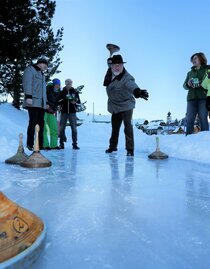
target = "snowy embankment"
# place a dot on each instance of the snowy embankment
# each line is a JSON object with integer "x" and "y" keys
{"x": 194, "y": 147}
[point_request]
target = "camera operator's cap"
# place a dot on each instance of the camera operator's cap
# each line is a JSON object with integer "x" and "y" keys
{"x": 42, "y": 61}
{"x": 117, "y": 59}
{"x": 56, "y": 81}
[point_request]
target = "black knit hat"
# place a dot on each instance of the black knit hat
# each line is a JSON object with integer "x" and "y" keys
{"x": 42, "y": 61}
{"x": 117, "y": 59}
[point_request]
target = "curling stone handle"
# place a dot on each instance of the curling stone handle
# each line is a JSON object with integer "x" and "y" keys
{"x": 20, "y": 139}
{"x": 20, "y": 147}
{"x": 36, "y": 147}
{"x": 157, "y": 144}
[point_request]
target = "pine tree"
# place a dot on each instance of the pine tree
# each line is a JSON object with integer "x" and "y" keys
{"x": 26, "y": 35}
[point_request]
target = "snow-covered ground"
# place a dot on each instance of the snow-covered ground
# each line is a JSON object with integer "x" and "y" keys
{"x": 194, "y": 147}
{"x": 113, "y": 211}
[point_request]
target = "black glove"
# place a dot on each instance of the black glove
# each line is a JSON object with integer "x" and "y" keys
{"x": 109, "y": 62}
{"x": 50, "y": 110}
{"x": 141, "y": 94}
{"x": 208, "y": 103}
{"x": 108, "y": 77}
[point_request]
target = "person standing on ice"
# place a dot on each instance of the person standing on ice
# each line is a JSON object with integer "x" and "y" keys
{"x": 68, "y": 99}
{"x": 122, "y": 91}
{"x": 50, "y": 120}
{"x": 35, "y": 100}
{"x": 196, "y": 97}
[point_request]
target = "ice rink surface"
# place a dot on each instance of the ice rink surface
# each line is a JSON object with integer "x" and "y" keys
{"x": 116, "y": 212}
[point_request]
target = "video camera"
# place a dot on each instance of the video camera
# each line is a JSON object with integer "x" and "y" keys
{"x": 80, "y": 107}
{"x": 195, "y": 82}
{"x": 79, "y": 89}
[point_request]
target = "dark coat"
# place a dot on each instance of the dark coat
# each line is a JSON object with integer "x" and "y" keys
{"x": 52, "y": 98}
{"x": 66, "y": 103}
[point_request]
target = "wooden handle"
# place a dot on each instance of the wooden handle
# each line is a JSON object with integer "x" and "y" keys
{"x": 157, "y": 144}
{"x": 37, "y": 129}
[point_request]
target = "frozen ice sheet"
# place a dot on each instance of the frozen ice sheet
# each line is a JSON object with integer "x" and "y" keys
{"x": 116, "y": 212}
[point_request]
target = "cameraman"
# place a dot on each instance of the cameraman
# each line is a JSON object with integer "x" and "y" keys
{"x": 68, "y": 99}
{"x": 196, "y": 97}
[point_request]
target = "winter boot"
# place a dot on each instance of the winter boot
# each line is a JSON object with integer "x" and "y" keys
{"x": 75, "y": 147}
{"x": 110, "y": 150}
{"x": 130, "y": 153}
{"x": 61, "y": 146}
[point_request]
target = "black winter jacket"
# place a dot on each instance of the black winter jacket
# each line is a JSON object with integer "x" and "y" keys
{"x": 53, "y": 98}
{"x": 65, "y": 101}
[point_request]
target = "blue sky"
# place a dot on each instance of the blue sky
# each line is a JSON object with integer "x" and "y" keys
{"x": 156, "y": 39}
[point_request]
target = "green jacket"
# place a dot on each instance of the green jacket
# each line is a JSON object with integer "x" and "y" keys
{"x": 206, "y": 82}
{"x": 198, "y": 92}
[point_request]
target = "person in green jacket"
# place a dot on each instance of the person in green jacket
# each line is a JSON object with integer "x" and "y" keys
{"x": 196, "y": 97}
{"x": 50, "y": 121}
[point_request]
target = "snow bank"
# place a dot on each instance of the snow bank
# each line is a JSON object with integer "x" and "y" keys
{"x": 194, "y": 147}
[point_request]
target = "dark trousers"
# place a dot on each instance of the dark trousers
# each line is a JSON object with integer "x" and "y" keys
{"x": 116, "y": 120}
{"x": 36, "y": 116}
{"x": 195, "y": 107}
{"x": 73, "y": 123}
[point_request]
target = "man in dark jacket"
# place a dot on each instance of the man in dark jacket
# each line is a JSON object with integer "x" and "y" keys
{"x": 122, "y": 91}
{"x": 68, "y": 100}
{"x": 34, "y": 87}
{"x": 50, "y": 120}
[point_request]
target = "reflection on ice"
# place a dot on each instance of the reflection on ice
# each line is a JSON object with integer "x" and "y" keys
{"x": 114, "y": 211}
